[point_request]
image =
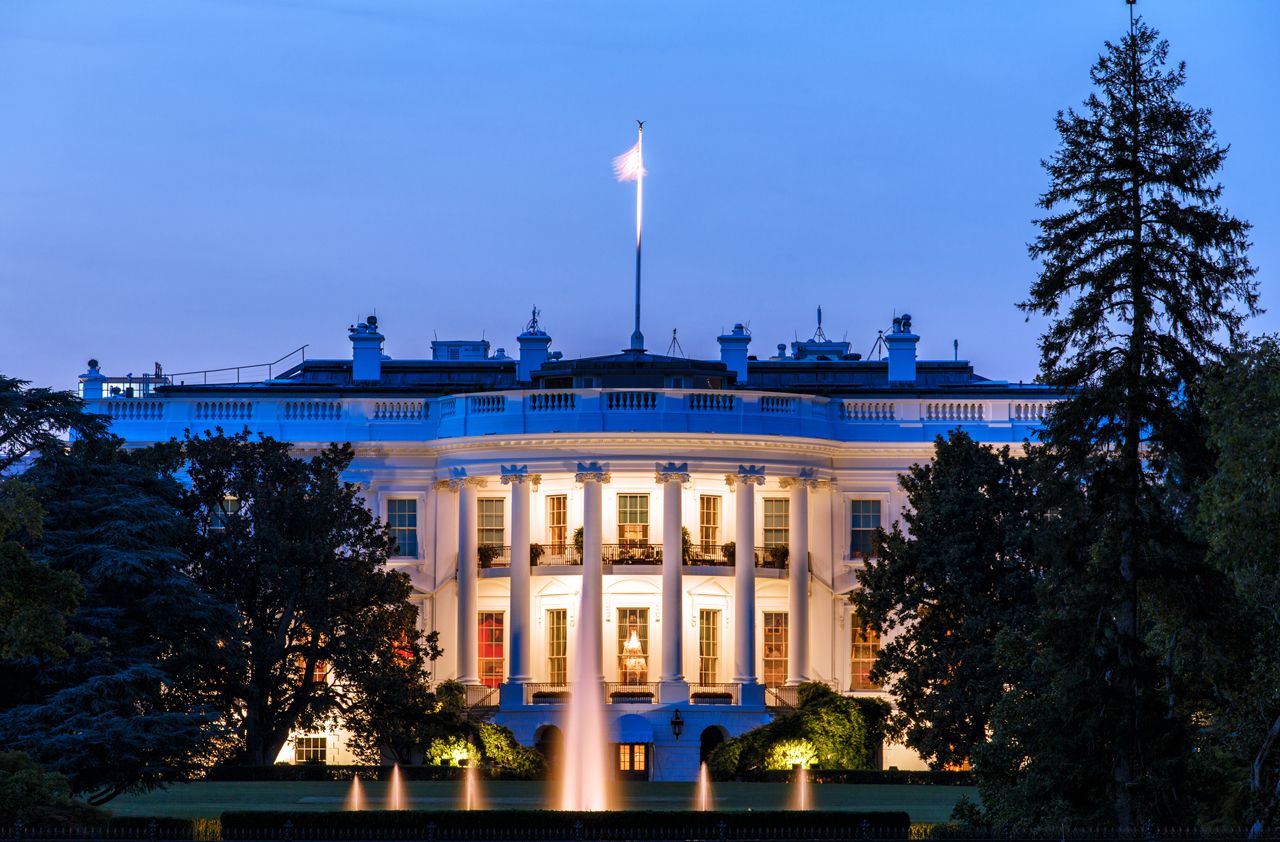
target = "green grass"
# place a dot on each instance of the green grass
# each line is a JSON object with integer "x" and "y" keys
{"x": 209, "y": 799}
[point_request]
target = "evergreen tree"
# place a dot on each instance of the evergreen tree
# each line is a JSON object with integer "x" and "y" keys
{"x": 35, "y": 599}
{"x": 949, "y": 588}
{"x": 34, "y": 420}
{"x": 129, "y": 707}
{"x": 1144, "y": 277}
{"x": 291, "y": 546}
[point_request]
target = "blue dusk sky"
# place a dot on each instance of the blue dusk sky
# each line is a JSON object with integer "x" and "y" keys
{"x": 215, "y": 182}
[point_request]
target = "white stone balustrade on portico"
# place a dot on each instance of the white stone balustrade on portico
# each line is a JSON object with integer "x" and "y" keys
{"x": 163, "y": 415}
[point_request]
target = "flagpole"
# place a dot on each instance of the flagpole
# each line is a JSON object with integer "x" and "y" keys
{"x": 637, "y": 338}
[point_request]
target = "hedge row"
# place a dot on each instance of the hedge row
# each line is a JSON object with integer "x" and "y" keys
{"x": 550, "y": 824}
{"x": 322, "y": 772}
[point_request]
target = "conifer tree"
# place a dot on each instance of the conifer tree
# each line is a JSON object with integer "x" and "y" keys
{"x": 1145, "y": 279}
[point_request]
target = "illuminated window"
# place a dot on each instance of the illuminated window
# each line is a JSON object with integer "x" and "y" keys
{"x": 320, "y": 672}
{"x": 864, "y": 523}
{"x": 558, "y": 646}
{"x": 557, "y": 523}
{"x": 223, "y": 512}
{"x": 633, "y": 757}
{"x": 491, "y": 640}
{"x": 402, "y": 518}
{"x": 490, "y": 528}
{"x": 866, "y": 645}
{"x": 708, "y": 645}
{"x": 709, "y": 523}
{"x": 633, "y": 520}
{"x": 777, "y": 522}
{"x": 633, "y": 645}
{"x": 310, "y": 750}
{"x": 775, "y": 648}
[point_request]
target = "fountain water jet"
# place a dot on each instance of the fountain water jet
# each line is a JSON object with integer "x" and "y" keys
{"x": 802, "y": 787}
{"x": 703, "y": 800}
{"x": 355, "y": 801}
{"x": 397, "y": 798}
{"x": 471, "y": 799}
{"x": 585, "y": 749}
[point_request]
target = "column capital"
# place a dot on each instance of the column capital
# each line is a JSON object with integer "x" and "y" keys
{"x": 670, "y": 472}
{"x": 458, "y": 478}
{"x": 746, "y": 475}
{"x": 591, "y": 472}
{"x": 805, "y": 478}
{"x": 519, "y": 473}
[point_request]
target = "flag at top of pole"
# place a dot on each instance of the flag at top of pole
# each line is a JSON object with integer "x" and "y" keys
{"x": 629, "y": 166}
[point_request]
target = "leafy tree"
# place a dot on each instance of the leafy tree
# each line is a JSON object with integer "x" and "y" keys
{"x": 290, "y": 545}
{"x": 1240, "y": 512}
{"x": 33, "y": 420}
{"x": 1144, "y": 277}
{"x": 31, "y": 794}
{"x": 946, "y": 590}
{"x": 391, "y": 702}
{"x": 129, "y": 707}
{"x": 35, "y": 599}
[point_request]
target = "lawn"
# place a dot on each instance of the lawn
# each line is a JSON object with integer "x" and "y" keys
{"x": 210, "y": 799}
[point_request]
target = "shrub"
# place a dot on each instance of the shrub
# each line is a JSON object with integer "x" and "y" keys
{"x": 30, "y": 793}
{"x": 505, "y": 757}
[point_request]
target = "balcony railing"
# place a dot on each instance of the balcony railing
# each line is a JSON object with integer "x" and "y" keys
{"x": 632, "y": 553}
{"x": 553, "y": 554}
{"x": 494, "y": 555}
{"x": 713, "y": 694}
{"x": 630, "y": 693}
{"x": 543, "y": 693}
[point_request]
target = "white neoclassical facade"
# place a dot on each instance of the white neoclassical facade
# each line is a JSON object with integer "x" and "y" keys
{"x": 703, "y": 519}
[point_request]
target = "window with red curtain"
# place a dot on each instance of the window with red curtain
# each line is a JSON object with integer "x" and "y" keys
{"x": 491, "y": 640}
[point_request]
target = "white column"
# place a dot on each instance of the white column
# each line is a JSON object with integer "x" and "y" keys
{"x": 744, "y": 581}
{"x": 468, "y": 562}
{"x": 518, "y": 674}
{"x": 672, "y": 688}
{"x": 591, "y": 610}
{"x": 798, "y": 562}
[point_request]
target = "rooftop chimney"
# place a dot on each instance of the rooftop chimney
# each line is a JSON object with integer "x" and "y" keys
{"x": 534, "y": 345}
{"x": 91, "y": 382}
{"x": 733, "y": 351}
{"x": 366, "y": 351}
{"x": 901, "y": 343}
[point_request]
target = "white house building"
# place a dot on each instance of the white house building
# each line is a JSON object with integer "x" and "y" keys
{"x": 713, "y": 511}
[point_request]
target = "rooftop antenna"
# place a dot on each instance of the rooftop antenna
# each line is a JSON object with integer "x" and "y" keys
{"x": 878, "y": 345}
{"x": 532, "y": 326}
{"x": 955, "y": 349}
{"x": 674, "y": 348}
{"x": 819, "y": 336}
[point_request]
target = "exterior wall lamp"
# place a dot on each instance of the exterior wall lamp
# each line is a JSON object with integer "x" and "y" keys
{"x": 677, "y": 724}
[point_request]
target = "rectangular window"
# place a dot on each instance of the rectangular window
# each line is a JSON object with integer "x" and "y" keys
{"x": 223, "y": 512}
{"x": 489, "y": 522}
{"x": 777, "y": 522}
{"x": 775, "y": 648}
{"x": 708, "y": 646}
{"x": 402, "y": 517}
{"x": 557, "y": 523}
{"x": 864, "y": 523}
{"x": 633, "y": 520}
{"x": 310, "y": 750}
{"x": 320, "y": 672}
{"x": 491, "y": 640}
{"x": 866, "y": 645}
{"x": 633, "y": 758}
{"x": 633, "y": 645}
{"x": 709, "y": 524}
{"x": 558, "y": 646}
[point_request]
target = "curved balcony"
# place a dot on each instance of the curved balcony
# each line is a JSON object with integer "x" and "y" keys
{"x": 498, "y": 556}
{"x": 340, "y": 418}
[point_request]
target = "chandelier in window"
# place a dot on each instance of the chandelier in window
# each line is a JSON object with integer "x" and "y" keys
{"x": 634, "y": 663}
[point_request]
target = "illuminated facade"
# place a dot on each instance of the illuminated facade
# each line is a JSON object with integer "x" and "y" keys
{"x": 713, "y": 511}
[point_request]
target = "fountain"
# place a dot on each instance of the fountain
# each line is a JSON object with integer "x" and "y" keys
{"x": 802, "y": 787}
{"x": 703, "y": 801}
{"x": 585, "y": 785}
{"x": 471, "y": 799}
{"x": 397, "y": 798}
{"x": 355, "y": 801}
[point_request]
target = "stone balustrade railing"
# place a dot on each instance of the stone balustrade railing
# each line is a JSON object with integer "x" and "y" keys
{"x": 294, "y": 418}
